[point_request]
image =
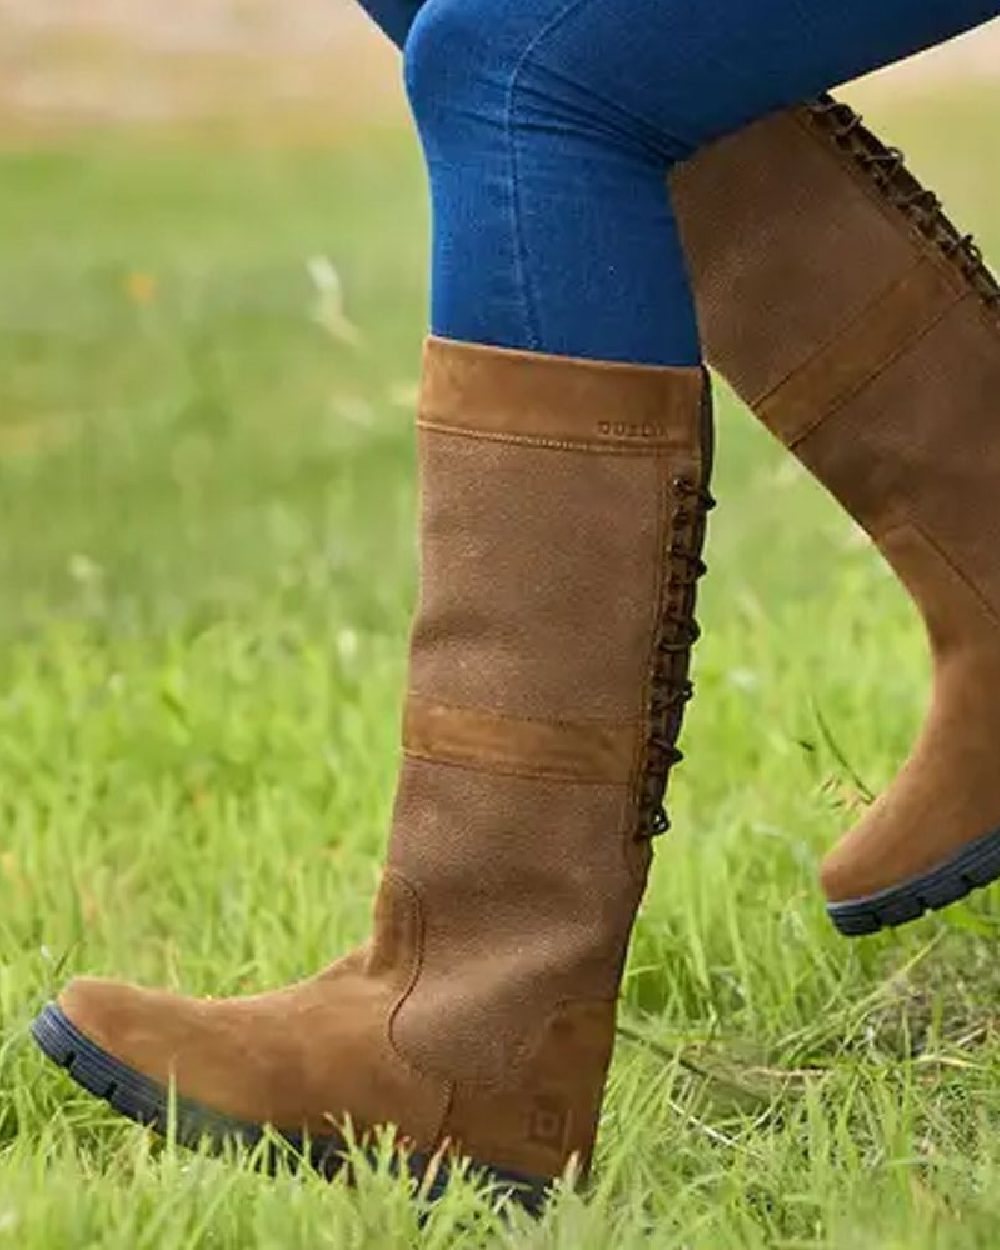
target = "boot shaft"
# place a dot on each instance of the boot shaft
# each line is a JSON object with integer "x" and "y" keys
{"x": 562, "y": 518}
{"x": 873, "y": 346}
{"x": 864, "y": 329}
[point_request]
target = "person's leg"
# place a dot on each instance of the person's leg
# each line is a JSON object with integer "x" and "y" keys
{"x": 808, "y": 241}
{"x": 395, "y": 17}
{"x": 563, "y": 508}
{"x": 563, "y": 513}
{"x": 548, "y": 126}
{"x": 863, "y": 328}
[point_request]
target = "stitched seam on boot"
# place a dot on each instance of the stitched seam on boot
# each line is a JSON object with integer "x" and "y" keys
{"x": 588, "y": 752}
{"x": 828, "y": 345}
{"x": 582, "y": 722}
{"x": 521, "y": 1053}
{"x": 916, "y": 528}
{"x": 525, "y": 1051}
{"x": 801, "y": 120}
{"x": 591, "y": 447}
{"x": 893, "y": 358}
{"x": 890, "y": 213}
{"x": 444, "y": 1086}
{"x": 490, "y": 768}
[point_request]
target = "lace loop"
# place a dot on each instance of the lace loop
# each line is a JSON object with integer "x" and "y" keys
{"x": 887, "y": 168}
{"x": 685, "y": 488}
{"x": 672, "y": 690}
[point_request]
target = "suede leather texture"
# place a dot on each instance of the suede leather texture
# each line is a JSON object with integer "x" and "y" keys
{"x": 480, "y": 1017}
{"x": 870, "y": 354}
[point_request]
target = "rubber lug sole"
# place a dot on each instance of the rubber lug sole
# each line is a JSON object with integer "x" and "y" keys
{"x": 975, "y": 866}
{"x": 147, "y": 1103}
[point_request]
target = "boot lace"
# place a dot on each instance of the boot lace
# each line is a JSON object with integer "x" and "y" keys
{"x": 887, "y": 169}
{"x": 678, "y": 632}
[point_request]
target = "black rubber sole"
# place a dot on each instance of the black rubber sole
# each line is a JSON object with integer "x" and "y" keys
{"x": 975, "y": 866}
{"x": 146, "y": 1102}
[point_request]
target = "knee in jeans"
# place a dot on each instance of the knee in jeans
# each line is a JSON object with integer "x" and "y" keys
{"x": 477, "y": 70}
{"x": 445, "y": 63}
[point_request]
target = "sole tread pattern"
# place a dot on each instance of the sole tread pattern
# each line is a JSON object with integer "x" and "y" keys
{"x": 975, "y": 866}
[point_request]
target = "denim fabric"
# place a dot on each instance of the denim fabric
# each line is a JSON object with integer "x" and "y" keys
{"x": 394, "y": 16}
{"x": 549, "y": 127}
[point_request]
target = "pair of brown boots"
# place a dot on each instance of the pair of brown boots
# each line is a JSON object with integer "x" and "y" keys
{"x": 563, "y": 515}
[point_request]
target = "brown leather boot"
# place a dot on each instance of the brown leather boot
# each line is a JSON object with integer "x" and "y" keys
{"x": 563, "y": 516}
{"x": 864, "y": 330}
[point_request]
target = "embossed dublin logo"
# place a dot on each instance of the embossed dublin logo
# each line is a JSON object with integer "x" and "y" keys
{"x": 630, "y": 429}
{"x": 548, "y": 1123}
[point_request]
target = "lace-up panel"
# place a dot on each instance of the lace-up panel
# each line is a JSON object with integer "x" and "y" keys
{"x": 671, "y": 688}
{"x": 886, "y": 167}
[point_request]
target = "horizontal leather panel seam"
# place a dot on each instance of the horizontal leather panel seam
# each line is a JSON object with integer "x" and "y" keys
{"x": 800, "y": 121}
{"x": 514, "y": 770}
{"x": 650, "y": 448}
{"x": 562, "y": 751}
{"x": 556, "y": 722}
{"x": 887, "y": 364}
{"x": 899, "y": 316}
{"x": 818, "y": 352}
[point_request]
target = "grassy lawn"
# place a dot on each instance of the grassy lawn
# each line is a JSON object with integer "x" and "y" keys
{"x": 206, "y": 570}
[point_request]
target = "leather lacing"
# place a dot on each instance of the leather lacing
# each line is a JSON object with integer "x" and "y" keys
{"x": 886, "y": 166}
{"x": 679, "y": 631}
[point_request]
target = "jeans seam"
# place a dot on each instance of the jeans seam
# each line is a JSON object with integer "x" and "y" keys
{"x": 528, "y": 304}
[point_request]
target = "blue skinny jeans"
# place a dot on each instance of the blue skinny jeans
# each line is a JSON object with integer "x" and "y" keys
{"x": 549, "y": 127}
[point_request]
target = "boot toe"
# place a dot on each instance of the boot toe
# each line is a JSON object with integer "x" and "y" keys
{"x": 137, "y": 1027}
{"x": 232, "y": 1058}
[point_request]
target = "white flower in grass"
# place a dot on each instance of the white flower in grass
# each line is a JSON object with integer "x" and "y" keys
{"x": 328, "y": 309}
{"x": 743, "y": 678}
{"x": 347, "y": 645}
{"x": 83, "y": 570}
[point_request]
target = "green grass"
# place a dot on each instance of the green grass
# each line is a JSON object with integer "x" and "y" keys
{"x": 206, "y": 562}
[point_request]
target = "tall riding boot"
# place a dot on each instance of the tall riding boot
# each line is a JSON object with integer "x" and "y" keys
{"x": 864, "y": 330}
{"x": 563, "y": 516}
